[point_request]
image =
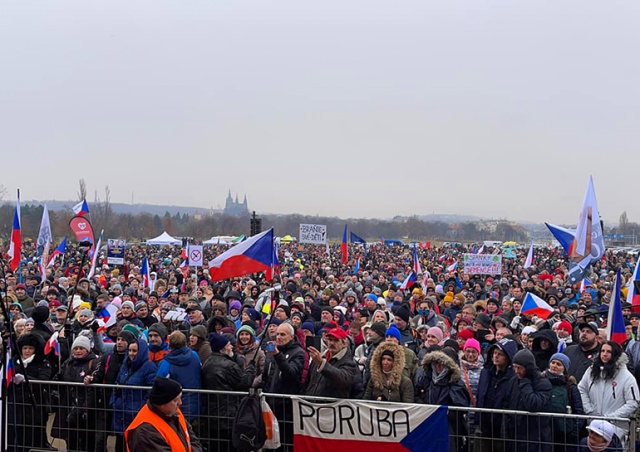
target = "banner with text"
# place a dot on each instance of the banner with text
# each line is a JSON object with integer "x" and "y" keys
{"x": 115, "y": 251}
{"x": 357, "y": 425}
{"x": 482, "y": 264}
{"x": 313, "y": 233}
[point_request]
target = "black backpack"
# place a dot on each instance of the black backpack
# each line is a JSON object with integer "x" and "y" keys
{"x": 249, "y": 432}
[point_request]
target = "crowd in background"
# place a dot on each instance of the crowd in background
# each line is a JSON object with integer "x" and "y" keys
{"x": 319, "y": 329}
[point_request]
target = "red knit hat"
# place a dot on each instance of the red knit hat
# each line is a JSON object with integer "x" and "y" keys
{"x": 466, "y": 334}
{"x": 565, "y": 326}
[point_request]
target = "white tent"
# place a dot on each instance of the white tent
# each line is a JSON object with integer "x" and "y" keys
{"x": 220, "y": 240}
{"x": 164, "y": 239}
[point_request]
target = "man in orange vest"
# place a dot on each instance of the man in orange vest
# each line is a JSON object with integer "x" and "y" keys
{"x": 160, "y": 425}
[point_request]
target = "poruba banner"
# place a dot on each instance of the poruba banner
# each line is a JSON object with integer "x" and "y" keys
{"x": 356, "y": 425}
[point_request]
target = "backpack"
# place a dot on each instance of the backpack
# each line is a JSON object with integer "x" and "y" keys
{"x": 559, "y": 403}
{"x": 248, "y": 432}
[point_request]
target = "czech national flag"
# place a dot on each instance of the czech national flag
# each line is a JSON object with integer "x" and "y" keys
{"x": 615, "y": 321}
{"x": 61, "y": 249}
{"x": 81, "y": 208}
{"x": 15, "y": 248}
{"x": 275, "y": 268}
{"x": 452, "y": 267}
{"x": 409, "y": 281}
{"x": 586, "y": 282}
{"x": 344, "y": 247}
{"x": 107, "y": 316}
{"x": 564, "y": 236}
{"x": 251, "y": 256}
{"x": 534, "y": 305}
{"x": 146, "y": 276}
{"x": 416, "y": 262}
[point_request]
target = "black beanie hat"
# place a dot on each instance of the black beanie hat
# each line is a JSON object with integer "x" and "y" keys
{"x": 217, "y": 342}
{"x": 379, "y": 328}
{"x": 164, "y": 390}
{"x": 127, "y": 336}
{"x": 40, "y": 314}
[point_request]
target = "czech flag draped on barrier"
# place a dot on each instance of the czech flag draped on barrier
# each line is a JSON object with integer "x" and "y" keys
{"x": 251, "y": 256}
{"x": 356, "y": 426}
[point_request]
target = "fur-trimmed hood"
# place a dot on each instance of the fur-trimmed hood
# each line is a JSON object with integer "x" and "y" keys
{"x": 395, "y": 376}
{"x": 442, "y": 358}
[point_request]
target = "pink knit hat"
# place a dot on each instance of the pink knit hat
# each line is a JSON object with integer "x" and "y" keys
{"x": 473, "y": 343}
{"x": 437, "y": 332}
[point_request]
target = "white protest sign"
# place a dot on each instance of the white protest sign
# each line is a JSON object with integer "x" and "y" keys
{"x": 482, "y": 264}
{"x": 195, "y": 255}
{"x": 313, "y": 233}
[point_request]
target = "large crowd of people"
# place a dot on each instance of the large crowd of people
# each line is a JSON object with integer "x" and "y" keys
{"x": 319, "y": 329}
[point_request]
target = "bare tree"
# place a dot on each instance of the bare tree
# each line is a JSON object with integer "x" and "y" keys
{"x": 82, "y": 192}
{"x": 623, "y": 224}
{"x": 3, "y": 192}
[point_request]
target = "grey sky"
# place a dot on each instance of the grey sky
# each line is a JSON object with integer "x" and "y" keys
{"x": 349, "y": 108}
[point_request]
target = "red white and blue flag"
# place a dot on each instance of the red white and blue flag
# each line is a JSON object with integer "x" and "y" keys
{"x": 481, "y": 250}
{"x": 250, "y": 256}
{"x": 344, "y": 247}
{"x": 529, "y": 260}
{"x": 615, "y": 321}
{"x": 52, "y": 345}
{"x": 416, "y": 262}
{"x": 146, "y": 275}
{"x": 586, "y": 282}
{"x": 452, "y": 267}
{"x": 534, "y": 305}
{"x": 408, "y": 281}
{"x": 60, "y": 250}
{"x": 107, "y": 316}
{"x": 94, "y": 260}
{"x": 633, "y": 296}
{"x": 15, "y": 247}
{"x": 365, "y": 426}
{"x": 275, "y": 267}
{"x": 11, "y": 371}
{"x": 81, "y": 208}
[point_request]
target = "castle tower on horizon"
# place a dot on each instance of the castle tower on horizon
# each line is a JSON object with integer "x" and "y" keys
{"x": 235, "y": 208}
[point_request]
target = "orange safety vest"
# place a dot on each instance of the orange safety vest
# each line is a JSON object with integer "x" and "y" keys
{"x": 169, "y": 434}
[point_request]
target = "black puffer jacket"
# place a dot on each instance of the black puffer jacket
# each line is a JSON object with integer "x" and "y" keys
{"x": 223, "y": 373}
{"x": 531, "y": 393}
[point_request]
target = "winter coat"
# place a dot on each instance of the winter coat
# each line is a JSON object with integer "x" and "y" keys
{"x": 223, "y": 373}
{"x": 158, "y": 352}
{"x": 248, "y": 354}
{"x": 203, "y": 349}
{"x": 31, "y": 422}
{"x": 447, "y": 389}
{"x": 334, "y": 377}
{"x": 579, "y": 362}
{"x": 493, "y": 389}
{"x": 395, "y": 387}
{"x": 533, "y": 394}
{"x": 183, "y": 366}
{"x": 543, "y": 356}
{"x": 617, "y": 397}
{"x": 126, "y": 402}
{"x": 565, "y": 431}
{"x": 74, "y": 400}
{"x": 283, "y": 372}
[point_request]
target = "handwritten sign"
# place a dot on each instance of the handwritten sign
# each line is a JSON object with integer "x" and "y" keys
{"x": 482, "y": 264}
{"x": 313, "y": 233}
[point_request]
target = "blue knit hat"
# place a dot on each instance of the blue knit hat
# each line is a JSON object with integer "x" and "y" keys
{"x": 217, "y": 342}
{"x": 395, "y": 332}
{"x": 564, "y": 359}
{"x": 309, "y": 327}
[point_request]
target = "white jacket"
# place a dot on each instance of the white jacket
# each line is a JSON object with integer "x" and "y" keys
{"x": 618, "y": 397}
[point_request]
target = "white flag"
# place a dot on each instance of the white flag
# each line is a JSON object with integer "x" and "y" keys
{"x": 529, "y": 261}
{"x": 44, "y": 236}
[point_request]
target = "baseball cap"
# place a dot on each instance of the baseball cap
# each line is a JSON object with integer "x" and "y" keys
{"x": 602, "y": 428}
{"x": 593, "y": 326}
{"x": 338, "y": 333}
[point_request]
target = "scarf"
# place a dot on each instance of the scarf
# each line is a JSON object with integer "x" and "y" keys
{"x": 27, "y": 361}
{"x": 435, "y": 377}
{"x": 468, "y": 365}
{"x": 597, "y": 447}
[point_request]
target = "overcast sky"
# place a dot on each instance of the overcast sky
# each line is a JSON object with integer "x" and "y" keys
{"x": 358, "y": 108}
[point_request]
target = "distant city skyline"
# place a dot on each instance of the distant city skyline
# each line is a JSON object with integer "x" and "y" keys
{"x": 363, "y": 109}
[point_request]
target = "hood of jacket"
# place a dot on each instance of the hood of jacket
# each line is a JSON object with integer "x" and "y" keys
{"x": 180, "y": 356}
{"x": 506, "y": 345}
{"x": 395, "y": 376}
{"x": 548, "y": 335}
{"x": 143, "y": 356}
{"x": 442, "y": 358}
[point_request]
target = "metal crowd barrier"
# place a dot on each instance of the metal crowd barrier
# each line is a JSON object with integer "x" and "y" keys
{"x": 92, "y": 426}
